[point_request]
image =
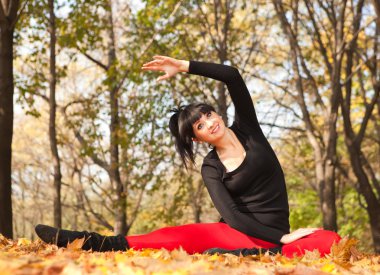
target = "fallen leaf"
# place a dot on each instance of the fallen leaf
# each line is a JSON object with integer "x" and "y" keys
{"x": 26, "y": 257}
{"x": 23, "y": 241}
{"x": 76, "y": 244}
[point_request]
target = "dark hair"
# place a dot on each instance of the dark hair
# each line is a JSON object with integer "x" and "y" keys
{"x": 181, "y": 127}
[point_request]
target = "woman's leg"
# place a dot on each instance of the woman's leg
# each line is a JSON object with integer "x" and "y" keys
{"x": 322, "y": 240}
{"x": 196, "y": 238}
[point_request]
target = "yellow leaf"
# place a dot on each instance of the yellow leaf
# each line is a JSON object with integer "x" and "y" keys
{"x": 179, "y": 254}
{"x": 146, "y": 252}
{"x": 328, "y": 267}
{"x": 214, "y": 257}
{"x": 23, "y": 241}
{"x": 120, "y": 258}
{"x": 265, "y": 259}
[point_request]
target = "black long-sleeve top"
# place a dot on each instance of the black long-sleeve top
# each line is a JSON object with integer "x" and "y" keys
{"x": 252, "y": 198}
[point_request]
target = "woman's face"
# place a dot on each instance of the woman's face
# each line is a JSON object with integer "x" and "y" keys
{"x": 209, "y": 128}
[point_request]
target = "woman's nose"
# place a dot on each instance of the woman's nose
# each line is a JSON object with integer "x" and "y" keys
{"x": 209, "y": 123}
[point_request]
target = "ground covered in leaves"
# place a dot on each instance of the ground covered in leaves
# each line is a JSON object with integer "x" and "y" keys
{"x": 25, "y": 257}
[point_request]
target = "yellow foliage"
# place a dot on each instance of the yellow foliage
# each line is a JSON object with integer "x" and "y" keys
{"x": 26, "y": 257}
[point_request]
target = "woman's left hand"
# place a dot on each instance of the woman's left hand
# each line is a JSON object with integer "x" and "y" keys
{"x": 298, "y": 234}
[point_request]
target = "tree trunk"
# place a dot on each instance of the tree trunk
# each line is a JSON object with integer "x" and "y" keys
{"x": 6, "y": 129}
{"x": 326, "y": 194}
{"x": 327, "y": 188}
{"x": 373, "y": 204}
{"x": 374, "y": 221}
{"x": 8, "y": 12}
{"x": 354, "y": 140}
{"x": 195, "y": 199}
{"x": 52, "y": 118}
{"x": 376, "y": 5}
{"x": 327, "y": 197}
{"x": 121, "y": 203}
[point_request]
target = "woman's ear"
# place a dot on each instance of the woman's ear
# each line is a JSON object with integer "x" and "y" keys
{"x": 196, "y": 140}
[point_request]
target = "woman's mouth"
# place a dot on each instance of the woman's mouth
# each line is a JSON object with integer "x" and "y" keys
{"x": 215, "y": 129}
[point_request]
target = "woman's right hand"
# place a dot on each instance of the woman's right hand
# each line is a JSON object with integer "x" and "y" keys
{"x": 166, "y": 64}
{"x": 298, "y": 234}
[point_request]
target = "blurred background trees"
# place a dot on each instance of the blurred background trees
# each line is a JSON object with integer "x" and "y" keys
{"x": 311, "y": 67}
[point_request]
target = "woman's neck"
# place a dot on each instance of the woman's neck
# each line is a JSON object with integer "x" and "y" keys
{"x": 227, "y": 142}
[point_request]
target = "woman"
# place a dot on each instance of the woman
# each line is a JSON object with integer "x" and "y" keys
{"x": 242, "y": 174}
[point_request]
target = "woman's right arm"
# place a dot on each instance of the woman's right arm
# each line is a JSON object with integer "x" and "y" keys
{"x": 240, "y": 96}
{"x": 241, "y": 221}
{"x": 228, "y": 209}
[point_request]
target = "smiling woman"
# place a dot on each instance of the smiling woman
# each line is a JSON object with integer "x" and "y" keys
{"x": 242, "y": 174}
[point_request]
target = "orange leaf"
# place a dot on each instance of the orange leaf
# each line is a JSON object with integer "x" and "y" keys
{"x": 76, "y": 244}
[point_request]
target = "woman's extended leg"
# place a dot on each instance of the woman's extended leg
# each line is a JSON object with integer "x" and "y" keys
{"x": 196, "y": 238}
{"x": 321, "y": 240}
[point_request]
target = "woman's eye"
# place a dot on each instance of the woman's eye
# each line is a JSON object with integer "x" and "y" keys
{"x": 200, "y": 126}
{"x": 208, "y": 114}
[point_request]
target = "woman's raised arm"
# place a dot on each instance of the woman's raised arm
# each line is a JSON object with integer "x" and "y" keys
{"x": 170, "y": 66}
{"x": 245, "y": 111}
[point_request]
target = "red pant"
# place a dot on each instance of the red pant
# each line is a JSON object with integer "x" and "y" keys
{"x": 196, "y": 238}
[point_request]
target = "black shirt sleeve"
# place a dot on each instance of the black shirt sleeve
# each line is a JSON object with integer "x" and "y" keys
{"x": 244, "y": 109}
{"x": 228, "y": 209}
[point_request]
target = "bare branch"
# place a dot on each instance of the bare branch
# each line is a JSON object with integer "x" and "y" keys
{"x": 104, "y": 191}
{"x": 83, "y": 143}
{"x": 150, "y": 42}
{"x": 376, "y": 5}
{"x": 370, "y": 171}
{"x": 98, "y": 216}
{"x": 294, "y": 46}
{"x": 19, "y": 13}
{"x": 367, "y": 115}
{"x": 44, "y": 97}
{"x": 296, "y": 129}
{"x": 287, "y": 108}
{"x": 318, "y": 35}
{"x": 283, "y": 88}
{"x": 3, "y": 17}
{"x": 101, "y": 196}
{"x": 356, "y": 70}
{"x": 216, "y": 26}
{"x": 97, "y": 62}
{"x": 137, "y": 206}
{"x": 207, "y": 25}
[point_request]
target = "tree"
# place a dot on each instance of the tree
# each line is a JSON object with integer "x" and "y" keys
{"x": 8, "y": 18}
{"x": 52, "y": 119}
{"x": 355, "y": 133}
{"x": 323, "y": 139}
{"x": 135, "y": 143}
{"x": 332, "y": 42}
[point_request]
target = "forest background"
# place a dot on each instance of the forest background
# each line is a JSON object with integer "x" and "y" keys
{"x": 84, "y": 140}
